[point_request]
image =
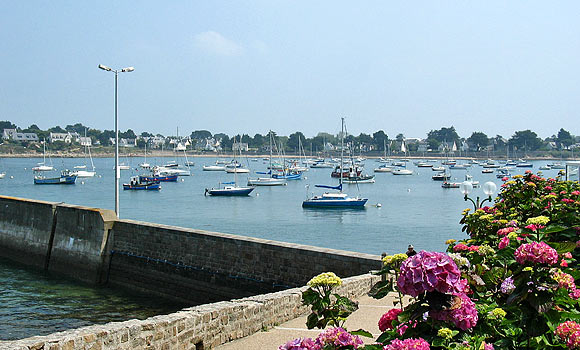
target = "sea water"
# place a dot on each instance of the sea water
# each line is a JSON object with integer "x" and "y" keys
{"x": 401, "y": 210}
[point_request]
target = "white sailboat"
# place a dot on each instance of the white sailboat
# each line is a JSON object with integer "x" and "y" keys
{"x": 384, "y": 168}
{"x": 402, "y": 170}
{"x": 80, "y": 170}
{"x": 42, "y": 166}
{"x": 267, "y": 181}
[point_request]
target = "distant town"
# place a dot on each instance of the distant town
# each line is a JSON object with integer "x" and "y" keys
{"x": 74, "y": 138}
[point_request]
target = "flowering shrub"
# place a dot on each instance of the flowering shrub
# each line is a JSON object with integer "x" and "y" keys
{"x": 509, "y": 285}
{"x": 327, "y": 308}
{"x": 332, "y": 338}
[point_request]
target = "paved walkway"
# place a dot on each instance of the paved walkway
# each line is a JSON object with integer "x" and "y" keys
{"x": 366, "y": 317}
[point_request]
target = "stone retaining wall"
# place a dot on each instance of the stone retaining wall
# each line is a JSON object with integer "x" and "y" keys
{"x": 196, "y": 266}
{"x": 200, "y": 327}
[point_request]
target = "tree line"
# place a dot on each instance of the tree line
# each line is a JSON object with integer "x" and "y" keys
{"x": 523, "y": 140}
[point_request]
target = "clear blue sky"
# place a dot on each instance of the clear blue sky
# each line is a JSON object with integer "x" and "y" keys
{"x": 249, "y": 66}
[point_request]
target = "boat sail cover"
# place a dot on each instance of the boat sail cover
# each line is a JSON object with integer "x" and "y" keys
{"x": 339, "y": 187}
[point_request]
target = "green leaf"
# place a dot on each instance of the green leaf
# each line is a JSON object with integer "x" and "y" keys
{"x": 309, "y": 297}
{"x": 563, "y": 247}
{"x": 381, "y": 289}
{"x": 554, "y": 228}
{"x": 362, "y": 333}
{"x": 311, "y": 321}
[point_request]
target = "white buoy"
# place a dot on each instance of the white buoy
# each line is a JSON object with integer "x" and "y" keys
{"x": 257, "y": 194}
{"x": 305, "y": 178}
{"x": 182, "y": 180}
{"x": 11, "y": 177}
{"x": 379, "y": 205}
{"x": 408, "y": 190}
{"x": 82, "y": 182}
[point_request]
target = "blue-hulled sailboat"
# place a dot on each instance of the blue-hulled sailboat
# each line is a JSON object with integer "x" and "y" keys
{"x": 335, "y": 200}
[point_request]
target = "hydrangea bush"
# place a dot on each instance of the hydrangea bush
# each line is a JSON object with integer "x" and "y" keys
{"x": 511, "y": 284}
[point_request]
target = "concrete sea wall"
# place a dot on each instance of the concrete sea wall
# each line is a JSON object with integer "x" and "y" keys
{"x": 200, "y": 327}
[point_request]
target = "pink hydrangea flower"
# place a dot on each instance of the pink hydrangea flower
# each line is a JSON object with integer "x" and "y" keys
{"x": 567, "y": 200}
{"x": 548, "y": 188}
{"x": 506, "y": 230}
{"x": 386, "y": 321}
{"x": 569, "y": 332}
{"x": 464, "y": 317}
{"x": 430, "y": 271}
{"x": 473, "y": 248}
{"x": 339, "y": 337}
{"x": 536, "y": 252}
{"x": 575, "y": 193}
{"x": 504, "y": 242}
{"x": 300, "y": 344}
{"x": 567, "y": 255}
{"x": 408, "y": 344}
{"x": 461, "y": 247}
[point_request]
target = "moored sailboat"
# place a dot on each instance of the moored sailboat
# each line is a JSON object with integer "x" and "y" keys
{"x": 335, "y": 200}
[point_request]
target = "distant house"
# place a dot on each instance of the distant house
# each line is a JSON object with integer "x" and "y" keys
{"x": 240, "y": 146}
{"x": 7, "y": 134}
{"x": 422, "y": 146}
{"x": 60, "y": 136}
{"x": 127, "y": 142}
{"x": 13, "y": 134}
{"x": 208, "y": 144}
{"x": 85, "y": 141}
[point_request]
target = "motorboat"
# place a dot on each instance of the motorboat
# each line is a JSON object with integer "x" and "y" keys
{"x": 442, "y": 176}
{"x": 383, "y": 169}
{"x": 402, "y": 171}
{"x": 362, "y": 179}
{"x": 157, "y": 178}
{"x": 438, "y": 168}
{"x": 266, "y": 181}
{"x": 66, "y": 177}
{"x": 447, "y": 184}
{"x": 136, "y": 183}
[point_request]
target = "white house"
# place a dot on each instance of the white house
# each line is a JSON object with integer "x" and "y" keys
{"x": 85, "y": 141}
{"x": 60, "y": 136}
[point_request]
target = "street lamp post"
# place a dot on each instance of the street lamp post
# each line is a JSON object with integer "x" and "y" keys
{"x": 117, "y": 172}
{"x": 466, "y": 187}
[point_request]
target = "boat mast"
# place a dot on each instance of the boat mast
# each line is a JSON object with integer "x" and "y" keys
{"x": 341, "y": 151}
{"x": 270, "y": 154}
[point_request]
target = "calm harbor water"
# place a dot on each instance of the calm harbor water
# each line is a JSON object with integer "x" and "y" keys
{"x": 413, "y": 210}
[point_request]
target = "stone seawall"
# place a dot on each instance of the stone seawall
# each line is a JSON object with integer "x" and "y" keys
{"x": 200, "y": 327}
{"x": 199, "y": 266}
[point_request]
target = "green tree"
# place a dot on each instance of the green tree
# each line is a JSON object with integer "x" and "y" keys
{"x": 5, "y": 124}
{"x": 478, "y": 140}
{"x": 379, "y": 139}
{"x": 258, "y": 141}
{"x": 433, "y": 144}
{"x": 293, "y": 142}
{"x": 565, "y": 138}
{"x": 57, "y": 129}
{"x": 526, "y": 140}
{"x": 78, "y": 128}
{"x": 200, "y": 135}
{"x": 444, "y": 134}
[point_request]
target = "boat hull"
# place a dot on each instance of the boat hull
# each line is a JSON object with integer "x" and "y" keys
{"x": 168, "y": 178}
{"x": 358, "y": 203}
{"x": 266, "y": 182}
{"x": 63, "y": 180}
{"x": 241, "y": 191}
{"x": 147, "y": 187}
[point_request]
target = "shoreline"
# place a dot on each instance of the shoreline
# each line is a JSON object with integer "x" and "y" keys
{"x": 170, "y": 154}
